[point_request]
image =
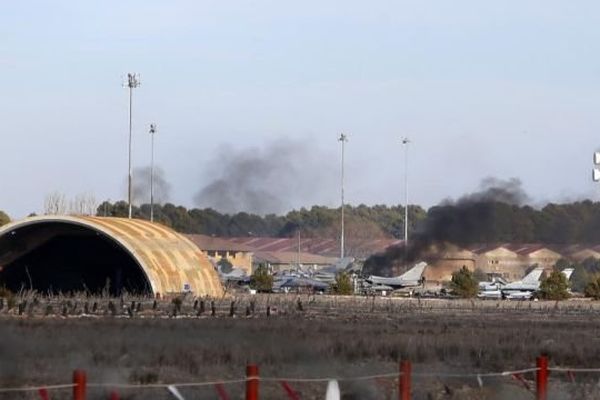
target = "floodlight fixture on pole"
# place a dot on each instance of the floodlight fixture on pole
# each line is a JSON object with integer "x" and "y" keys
{"x": 343, "y": 139}
{"x": 596, "y": 171}
{"x": 133, "y": 81}
{"x": 152, "y": 131}
{"x": 405, "y": 143}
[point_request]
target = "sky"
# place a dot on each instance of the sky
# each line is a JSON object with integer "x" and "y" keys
{"x": 504, "y": 89}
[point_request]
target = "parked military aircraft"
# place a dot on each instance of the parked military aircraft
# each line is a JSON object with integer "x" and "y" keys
{"x": 328, "y": 274}
{"x": 491, "y": 289}
{"x": 285, "y": 282}
{"x": 411, "y": 278}
{"x": 523, "y": 289}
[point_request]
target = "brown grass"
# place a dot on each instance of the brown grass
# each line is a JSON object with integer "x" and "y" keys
{"x": 304, "y": 336}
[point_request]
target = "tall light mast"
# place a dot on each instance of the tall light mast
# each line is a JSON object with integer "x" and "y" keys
{"x": 152, "y": 131}
{"x": 405, "y": 143}
{"x": 343, "y": 139}
{"x": 133, "y": 81}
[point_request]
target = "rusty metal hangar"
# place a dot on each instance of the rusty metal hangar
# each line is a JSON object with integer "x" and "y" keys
{"x": 53, "y": 254}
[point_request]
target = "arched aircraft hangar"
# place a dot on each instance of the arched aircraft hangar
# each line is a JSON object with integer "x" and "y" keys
{"x": 53, "y": 254}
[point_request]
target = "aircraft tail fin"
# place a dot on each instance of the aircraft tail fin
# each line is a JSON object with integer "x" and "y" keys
{"x": 534, "y": 276}
{"x": 568, "y": 272}
{"x": 414, "y": 274}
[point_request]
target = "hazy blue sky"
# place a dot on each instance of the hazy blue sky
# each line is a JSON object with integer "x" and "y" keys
{"x": 504, "y": 89}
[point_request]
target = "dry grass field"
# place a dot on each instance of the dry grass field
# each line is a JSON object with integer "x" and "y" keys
{"x": 140, "y": 341}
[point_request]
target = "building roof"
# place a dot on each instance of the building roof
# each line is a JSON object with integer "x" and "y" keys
{"x": 320, "y": 246}
{"x": 169, "y": 260}
{"x": 577, "y": 251}
{"x": 527, "y": 249}
{"x": 290, "y": 257}
{"x": 522, "y": 249}
{"x": 489, "y": 247}
{"x": 212, "y": 243}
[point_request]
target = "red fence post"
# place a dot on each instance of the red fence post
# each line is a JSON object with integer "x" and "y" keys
{"x": 79, "y": 380}
{"x": 252, "y": 382}
{"x": 43, "y": 392}
{"x": 541, "y": 378}
{"x": 404, "y": 381}
{"x": 113, "y": 395}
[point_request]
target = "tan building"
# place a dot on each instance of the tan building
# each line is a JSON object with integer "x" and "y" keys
{"x": 537, "y": 254}
{"x": 499, "y": 260}
{"x": 579, "y": 253}
{"x": 442, "y": 263}
{"x": 239, "y": 255}
{"x": 278, "y": 261}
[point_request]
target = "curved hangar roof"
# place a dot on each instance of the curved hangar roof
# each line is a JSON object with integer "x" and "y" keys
{"x": 170, "y": 262}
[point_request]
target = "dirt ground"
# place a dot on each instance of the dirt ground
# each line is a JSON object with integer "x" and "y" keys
{"x": 140, "y": 341}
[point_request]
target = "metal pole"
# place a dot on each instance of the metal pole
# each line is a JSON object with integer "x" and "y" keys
{"x": 298, "y": 254}
{"x": 405, "y": 142}
{"x": 130, "y": 126}
{"x": 152, "y": 132}
{"x": 132, "y": 83}
{"x": 343, "y": 138}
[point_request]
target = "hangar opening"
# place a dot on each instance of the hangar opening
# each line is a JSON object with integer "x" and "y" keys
{"x": 58, "y": 257}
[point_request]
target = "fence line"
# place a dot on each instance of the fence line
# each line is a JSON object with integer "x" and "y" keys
{"x": 164, "y": 385}
{"x": 269, "y": 379}
{"x": 37, "y": 388}
{"x": 340, "y": 379}
{"x": 474, "y": 374}
{"x": 402, "y": 377}
{"x": 574, "y": 370}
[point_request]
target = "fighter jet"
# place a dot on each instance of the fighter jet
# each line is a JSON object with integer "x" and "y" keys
{"x": 491, "y": 289}
{"x": 528, "y": 286}
{"x": 411, "y": 278}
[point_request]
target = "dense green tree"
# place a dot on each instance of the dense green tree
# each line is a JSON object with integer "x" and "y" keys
{"x": 261, "y": 280}
{"x": 4, "y": 218}
{"x": 463, "y": 283}
{"x": 461, "y": 223}
{"x": 592, "y": 288}
{"x": 342, "y": 285}
{"x": 555, "y": 287}
{"x": 582, "y": 274}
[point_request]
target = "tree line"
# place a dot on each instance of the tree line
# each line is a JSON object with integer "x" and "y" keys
{"x": 379, "y": 221}
{"x": 484, "y": 222}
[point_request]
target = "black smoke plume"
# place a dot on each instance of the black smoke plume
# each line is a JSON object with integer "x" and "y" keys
{"x": 473, "y": 218}
{"x": 282, "y": 175}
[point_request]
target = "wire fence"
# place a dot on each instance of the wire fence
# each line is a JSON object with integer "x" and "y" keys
{"x": 401, "y": 381}
{"x": 537, "y": 382}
